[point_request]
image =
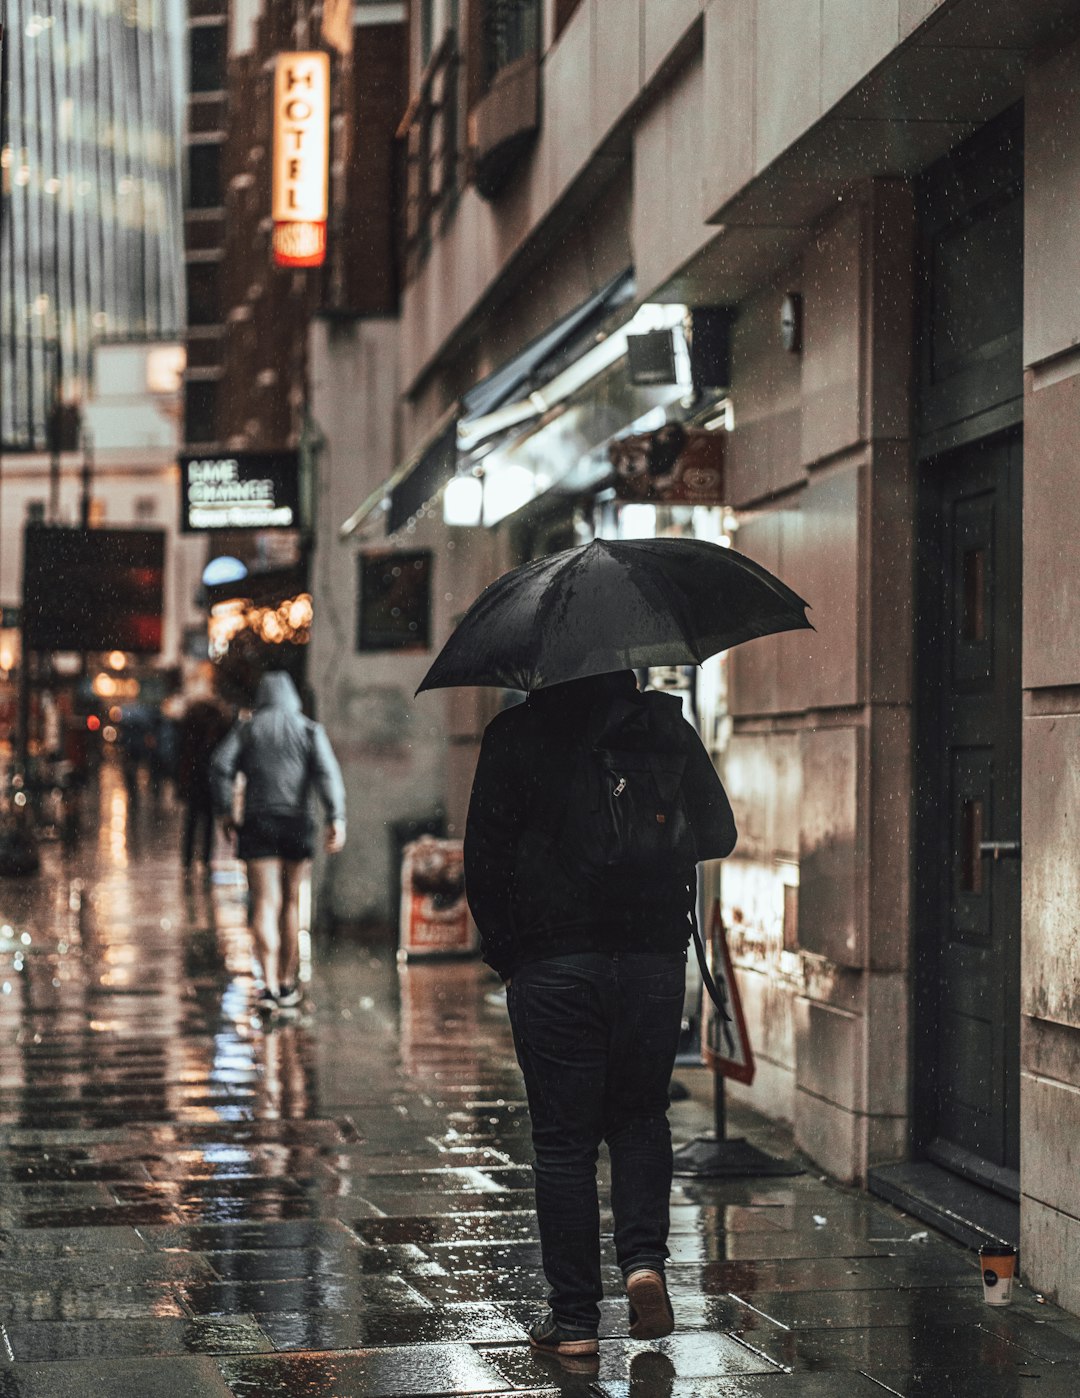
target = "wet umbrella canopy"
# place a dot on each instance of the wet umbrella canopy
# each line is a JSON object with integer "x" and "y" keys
{"x": 613, "y": 606}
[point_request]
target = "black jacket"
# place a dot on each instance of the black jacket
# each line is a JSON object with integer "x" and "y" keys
{"x": 529, "y": 904}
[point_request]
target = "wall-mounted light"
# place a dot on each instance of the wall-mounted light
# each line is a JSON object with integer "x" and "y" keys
{"x": 463, "y": 502}
{"x": 791, "y": 322}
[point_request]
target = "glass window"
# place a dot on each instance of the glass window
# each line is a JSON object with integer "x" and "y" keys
{"x": 204, "y": 176}
{"x": 395, "y": 601}
{"x": 200, "y": 410}
{"x": 207, "y": 53}
{"x": 511, "y": 30}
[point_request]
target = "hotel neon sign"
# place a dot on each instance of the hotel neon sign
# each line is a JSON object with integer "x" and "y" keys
{"x": 301, "y": 153}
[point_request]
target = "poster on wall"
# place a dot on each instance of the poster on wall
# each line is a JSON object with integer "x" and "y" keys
{"x": 674, "y": 465}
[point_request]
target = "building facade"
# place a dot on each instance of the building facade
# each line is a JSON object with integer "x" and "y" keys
{"x": 124, "y": 476}
{"x": 247, "y": 375}
{"x": 880, "y": 199}
{"x": 89, "y": 245}
{"x": 247, "y": 382}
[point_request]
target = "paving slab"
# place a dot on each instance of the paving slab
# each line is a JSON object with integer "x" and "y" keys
{"x": 643, "y": 1384}
{"x": 66, "y": 1242}
{"x": 476, "y": 1323}
{"x": 194, "y": 1377}
{"x": 432, "y": 1370}
{"x": 32, "y": 1341}
{"x": 1036, "y": 1381}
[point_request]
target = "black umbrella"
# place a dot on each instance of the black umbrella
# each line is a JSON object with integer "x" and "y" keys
{"x": 613, "y": 606}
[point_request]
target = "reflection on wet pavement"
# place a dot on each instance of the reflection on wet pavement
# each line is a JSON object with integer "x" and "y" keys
{"x": 195, "y": 1203}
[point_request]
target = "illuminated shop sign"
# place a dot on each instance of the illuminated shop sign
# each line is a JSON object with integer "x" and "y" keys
{"x": 301, "y": 154}
{"x": 242, "y": 490}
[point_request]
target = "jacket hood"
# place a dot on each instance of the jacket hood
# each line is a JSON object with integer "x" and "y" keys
{"x": 277, "y": 691}
{"x": 581, "y": 695}
{"x": 610, "y": 711}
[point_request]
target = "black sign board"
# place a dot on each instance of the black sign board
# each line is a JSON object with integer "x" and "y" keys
{"x": 93, "y": 589}
{"x": 240, "y": 490}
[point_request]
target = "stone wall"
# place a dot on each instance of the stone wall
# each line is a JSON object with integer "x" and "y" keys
{"x": 1050, "y": 1043}
{"x": 819, "y": 765}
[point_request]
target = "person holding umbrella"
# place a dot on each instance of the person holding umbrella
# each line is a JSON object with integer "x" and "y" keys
{"x": 591, "y": 806}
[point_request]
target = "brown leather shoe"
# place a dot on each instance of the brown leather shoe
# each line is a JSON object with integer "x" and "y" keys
{"x": 651, "y": 1316}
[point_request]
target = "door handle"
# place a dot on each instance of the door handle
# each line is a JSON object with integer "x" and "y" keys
{"x": 1000, "y": 848}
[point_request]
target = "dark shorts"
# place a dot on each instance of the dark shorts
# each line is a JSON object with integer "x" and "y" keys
{"x": 276, "y": 835}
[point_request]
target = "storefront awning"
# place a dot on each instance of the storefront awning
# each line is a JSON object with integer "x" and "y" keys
{"x": 536, "y": 358}
{"x": 434, "y": 462}
{"x": 429, "y": 458}
{"x": 435, "y": 467}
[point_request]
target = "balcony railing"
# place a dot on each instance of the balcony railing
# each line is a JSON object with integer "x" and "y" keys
{"x": 429, "y": 136}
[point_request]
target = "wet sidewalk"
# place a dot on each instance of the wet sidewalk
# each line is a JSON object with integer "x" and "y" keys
{"x": 194, "y": 1205}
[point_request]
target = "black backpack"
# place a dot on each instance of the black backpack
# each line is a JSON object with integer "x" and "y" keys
{"x": 624, "y": 823}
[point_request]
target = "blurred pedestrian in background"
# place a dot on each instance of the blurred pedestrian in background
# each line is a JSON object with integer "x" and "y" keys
{"x": 285, "y": 759}
{"x": 591, "y": 805}
{"x": 201, "y": 728}
{"x": 135, "y": 741}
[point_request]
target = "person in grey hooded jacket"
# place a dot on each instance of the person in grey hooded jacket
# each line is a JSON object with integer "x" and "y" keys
{"x": 284, "y": 757}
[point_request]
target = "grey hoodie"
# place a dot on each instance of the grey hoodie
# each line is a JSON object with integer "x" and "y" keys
{"x": 282, "y": 754}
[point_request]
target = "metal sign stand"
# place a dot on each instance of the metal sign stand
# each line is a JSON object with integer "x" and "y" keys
{"x": 718, "y": 1156}
{"x": 721, "y": 1157}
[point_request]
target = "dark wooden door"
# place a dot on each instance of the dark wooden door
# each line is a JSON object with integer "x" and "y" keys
{"x": 968, "y": 812}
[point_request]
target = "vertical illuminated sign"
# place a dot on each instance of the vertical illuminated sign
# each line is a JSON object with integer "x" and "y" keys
{"x": 301, "y": 154}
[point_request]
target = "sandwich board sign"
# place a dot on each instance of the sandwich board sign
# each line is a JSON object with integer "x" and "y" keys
{"x": 725, "y": 1043}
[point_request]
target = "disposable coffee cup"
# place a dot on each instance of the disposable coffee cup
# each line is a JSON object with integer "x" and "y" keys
{"x": 998, "y": 1263}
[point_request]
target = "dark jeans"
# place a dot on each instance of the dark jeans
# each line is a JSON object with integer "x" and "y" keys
{"x": 596, "y": 1037}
